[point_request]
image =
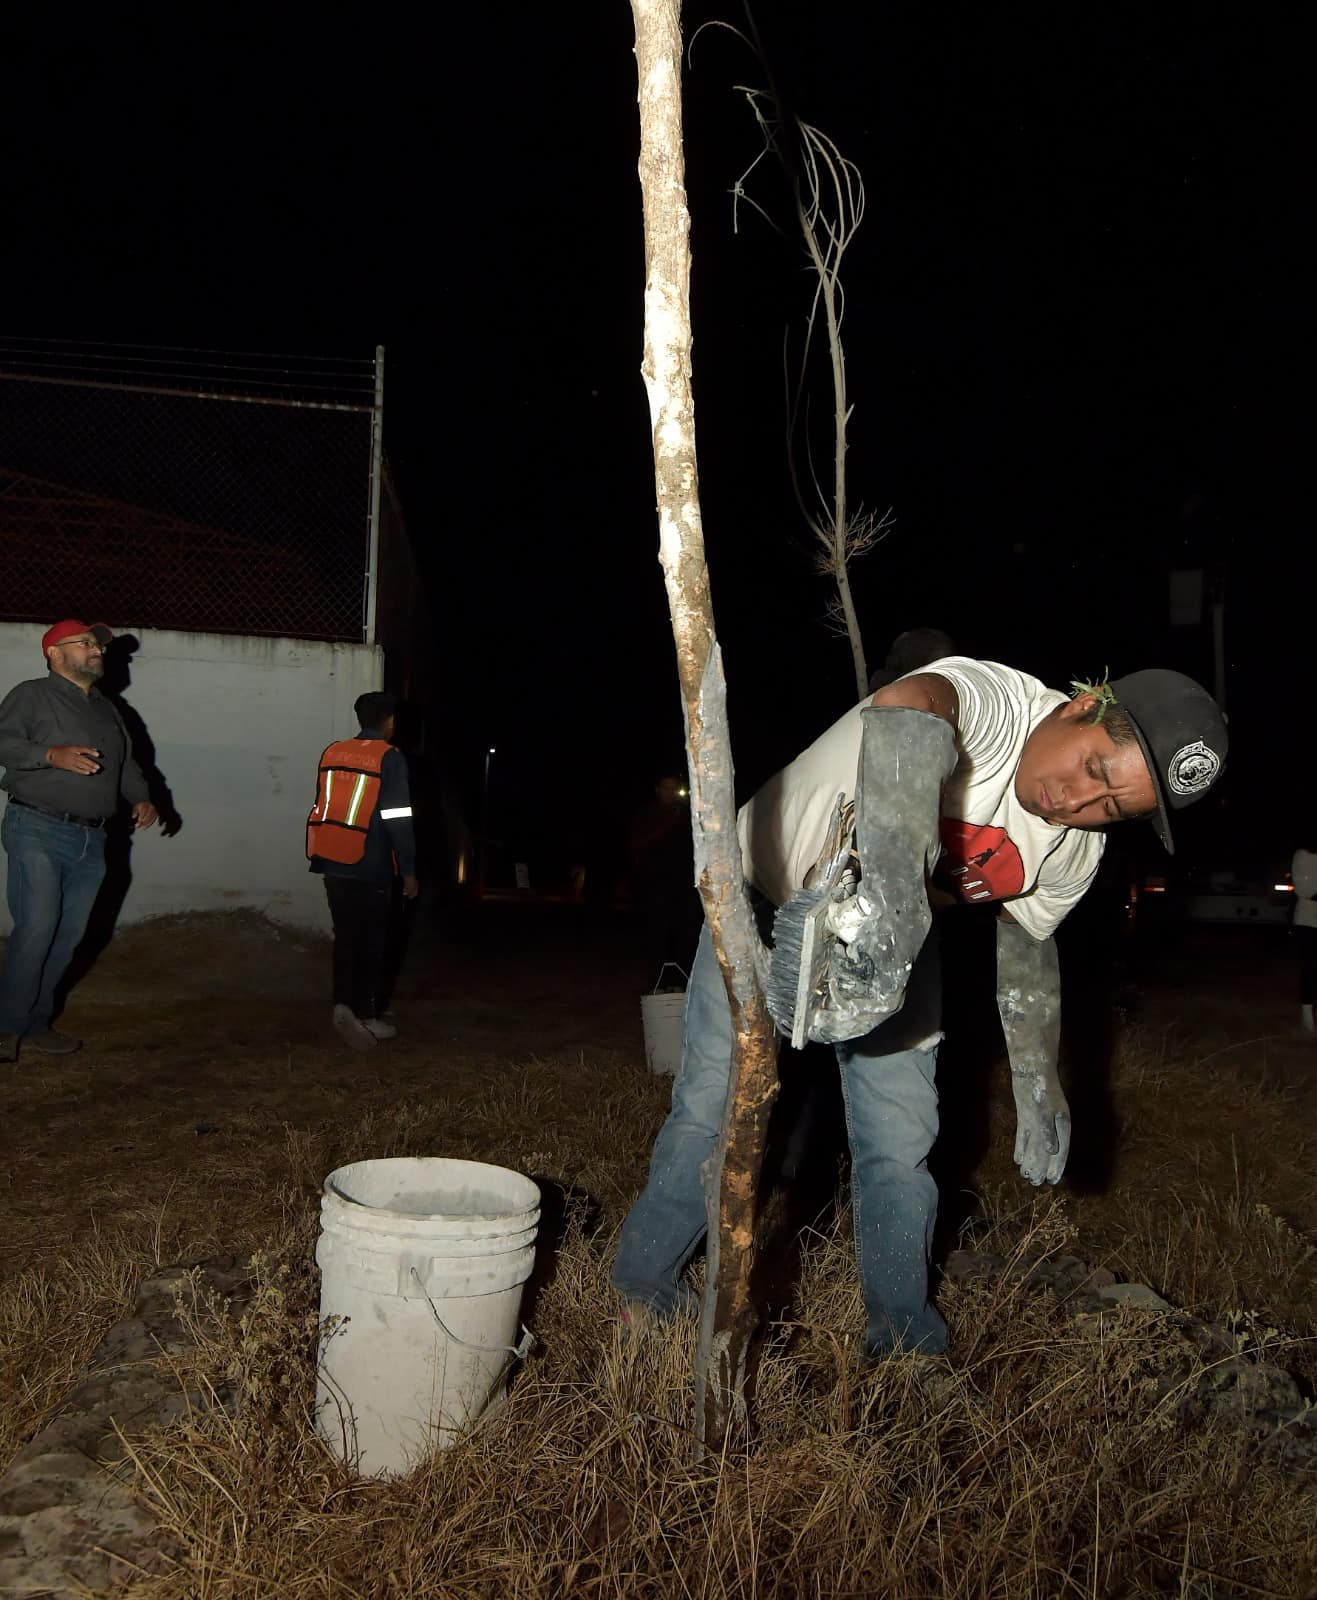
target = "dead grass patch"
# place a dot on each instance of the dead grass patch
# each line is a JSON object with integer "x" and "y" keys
{"x": 1047, "y": 1464}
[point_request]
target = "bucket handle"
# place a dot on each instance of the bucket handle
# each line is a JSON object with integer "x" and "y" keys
{"x": 686, "y": 975}
{"x": 514, "y": 1353}
{"x": 518, "y": 1352}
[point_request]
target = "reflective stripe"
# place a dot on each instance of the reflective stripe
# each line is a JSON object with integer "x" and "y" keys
{"x": 348, "y": 797}
{"x": 355, "y": 804}
{"x": 395, "y": 811}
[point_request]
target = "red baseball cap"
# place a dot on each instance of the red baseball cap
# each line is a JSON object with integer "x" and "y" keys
{"x": 60, "y": 631}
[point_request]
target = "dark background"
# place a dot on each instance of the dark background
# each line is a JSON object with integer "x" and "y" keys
{"x": 1078, "y": 335}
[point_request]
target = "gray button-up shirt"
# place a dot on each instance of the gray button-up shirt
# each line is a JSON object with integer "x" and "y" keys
{"x": 48, "y": 711}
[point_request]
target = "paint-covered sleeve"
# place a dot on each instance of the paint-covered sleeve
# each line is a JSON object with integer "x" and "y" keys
{"x": 396, "y": 811}
{"x": 1029, "y": 1002}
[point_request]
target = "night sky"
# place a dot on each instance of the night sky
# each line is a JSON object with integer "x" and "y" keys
{"x": 1079, "y": 339}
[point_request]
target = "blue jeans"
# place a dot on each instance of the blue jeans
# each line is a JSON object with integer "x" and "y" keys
{"x": 55, "y": 873}
{"x": 887, "y": 1081}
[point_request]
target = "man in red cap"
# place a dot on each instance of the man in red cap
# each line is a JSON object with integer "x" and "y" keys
{"x": 68, "y": 762}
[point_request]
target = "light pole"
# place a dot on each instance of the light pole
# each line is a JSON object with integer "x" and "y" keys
{"x": 484, "y": 819}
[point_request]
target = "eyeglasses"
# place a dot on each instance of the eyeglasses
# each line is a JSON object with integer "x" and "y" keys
{"x": 85, "y": 644}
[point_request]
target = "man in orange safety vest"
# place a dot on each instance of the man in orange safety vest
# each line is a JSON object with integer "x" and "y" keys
{"x": 359, "y": 837}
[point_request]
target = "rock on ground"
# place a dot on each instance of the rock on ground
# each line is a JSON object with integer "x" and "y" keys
{"x": 69, "y": 1521}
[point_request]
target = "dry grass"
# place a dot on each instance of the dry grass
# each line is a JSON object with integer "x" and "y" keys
{"x": 1047, "y": 1464}
{"x": 1215, "y": 1198}
{"x": 51, "y": 1318}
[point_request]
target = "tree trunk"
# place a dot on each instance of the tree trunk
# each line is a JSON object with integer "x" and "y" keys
{"x": 728, "y": 1320}
{"x": 847, "y": 602}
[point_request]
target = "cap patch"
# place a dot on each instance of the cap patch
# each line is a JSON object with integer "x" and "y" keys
{"x": 1192, "y": 768}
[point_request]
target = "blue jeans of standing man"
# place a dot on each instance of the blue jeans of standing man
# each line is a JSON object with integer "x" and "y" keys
{"x": 55, "y": 874}
{"x": 887, "y": 1081}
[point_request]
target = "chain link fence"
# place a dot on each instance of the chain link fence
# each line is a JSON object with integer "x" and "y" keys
{"x": 187, "y": 489}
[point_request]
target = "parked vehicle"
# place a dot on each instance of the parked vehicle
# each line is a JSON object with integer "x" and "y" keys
{"x": 1241, "y": 892}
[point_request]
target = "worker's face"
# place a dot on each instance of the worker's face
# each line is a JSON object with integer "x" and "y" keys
{"x": 82, "y": 657}
{"x": 1071, "y": 773}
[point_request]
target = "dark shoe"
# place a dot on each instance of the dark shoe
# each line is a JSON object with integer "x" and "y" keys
{"x": 350, "y": 1028}
{"x": 51, "y": 1043}
{"x": 8, "y": 1047}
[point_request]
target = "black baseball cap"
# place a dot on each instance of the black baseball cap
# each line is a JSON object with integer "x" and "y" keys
{"x": 1182, "y": 733}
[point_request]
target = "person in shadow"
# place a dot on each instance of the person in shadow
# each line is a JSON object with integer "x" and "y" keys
{"x": 120, "y": 830}
{"x": 663, "y": 884}
{"x": 1303, "y": 875}
{"x": 911, "y": 651}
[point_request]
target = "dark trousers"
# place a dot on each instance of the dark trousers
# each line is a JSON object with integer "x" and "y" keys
{"x": 673, "y": 918}
{"x": 363, "y": 915}
{"x": 1306, "y": 938}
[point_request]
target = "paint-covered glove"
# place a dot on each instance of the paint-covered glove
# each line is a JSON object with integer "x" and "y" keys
{"x": 1029, "y": 1001}
{"x": 905, "y": 757}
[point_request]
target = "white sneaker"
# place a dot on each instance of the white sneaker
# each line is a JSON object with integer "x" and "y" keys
{"x": 380, "y": 1027}
{"x": 350, "y": 1028}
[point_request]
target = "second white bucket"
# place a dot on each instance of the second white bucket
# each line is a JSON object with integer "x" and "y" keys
{"x": 422, "y": 1262}
{"x": 662, "y": 1017}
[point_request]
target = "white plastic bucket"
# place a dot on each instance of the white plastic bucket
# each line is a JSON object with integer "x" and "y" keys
{"x": 662, "y": 1017}
{"x": 422, "y": 1264}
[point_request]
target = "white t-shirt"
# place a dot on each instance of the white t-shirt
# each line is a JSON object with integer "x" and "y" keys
{"x": 991, "y": 847}
{"x": 1304, "y": 873}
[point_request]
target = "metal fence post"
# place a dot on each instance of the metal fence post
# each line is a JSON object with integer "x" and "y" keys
{"x": 376, "y": 480}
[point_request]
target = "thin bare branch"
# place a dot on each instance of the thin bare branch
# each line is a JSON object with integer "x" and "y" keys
{"x": 828, "y": 198}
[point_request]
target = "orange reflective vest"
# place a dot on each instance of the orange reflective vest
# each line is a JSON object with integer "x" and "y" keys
{"x": 346, "y": 799}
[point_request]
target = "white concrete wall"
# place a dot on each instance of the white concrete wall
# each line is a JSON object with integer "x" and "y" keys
{"x": 238, "y": 724}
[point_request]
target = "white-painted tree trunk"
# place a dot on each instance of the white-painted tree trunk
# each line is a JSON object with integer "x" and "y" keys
{"x": 728, "y": 1321}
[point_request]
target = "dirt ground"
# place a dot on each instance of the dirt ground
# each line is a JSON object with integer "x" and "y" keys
{"x": 212, "y": 1098}
{"x": 207, "y": 1042}
{"x": 210, "y": 1082}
